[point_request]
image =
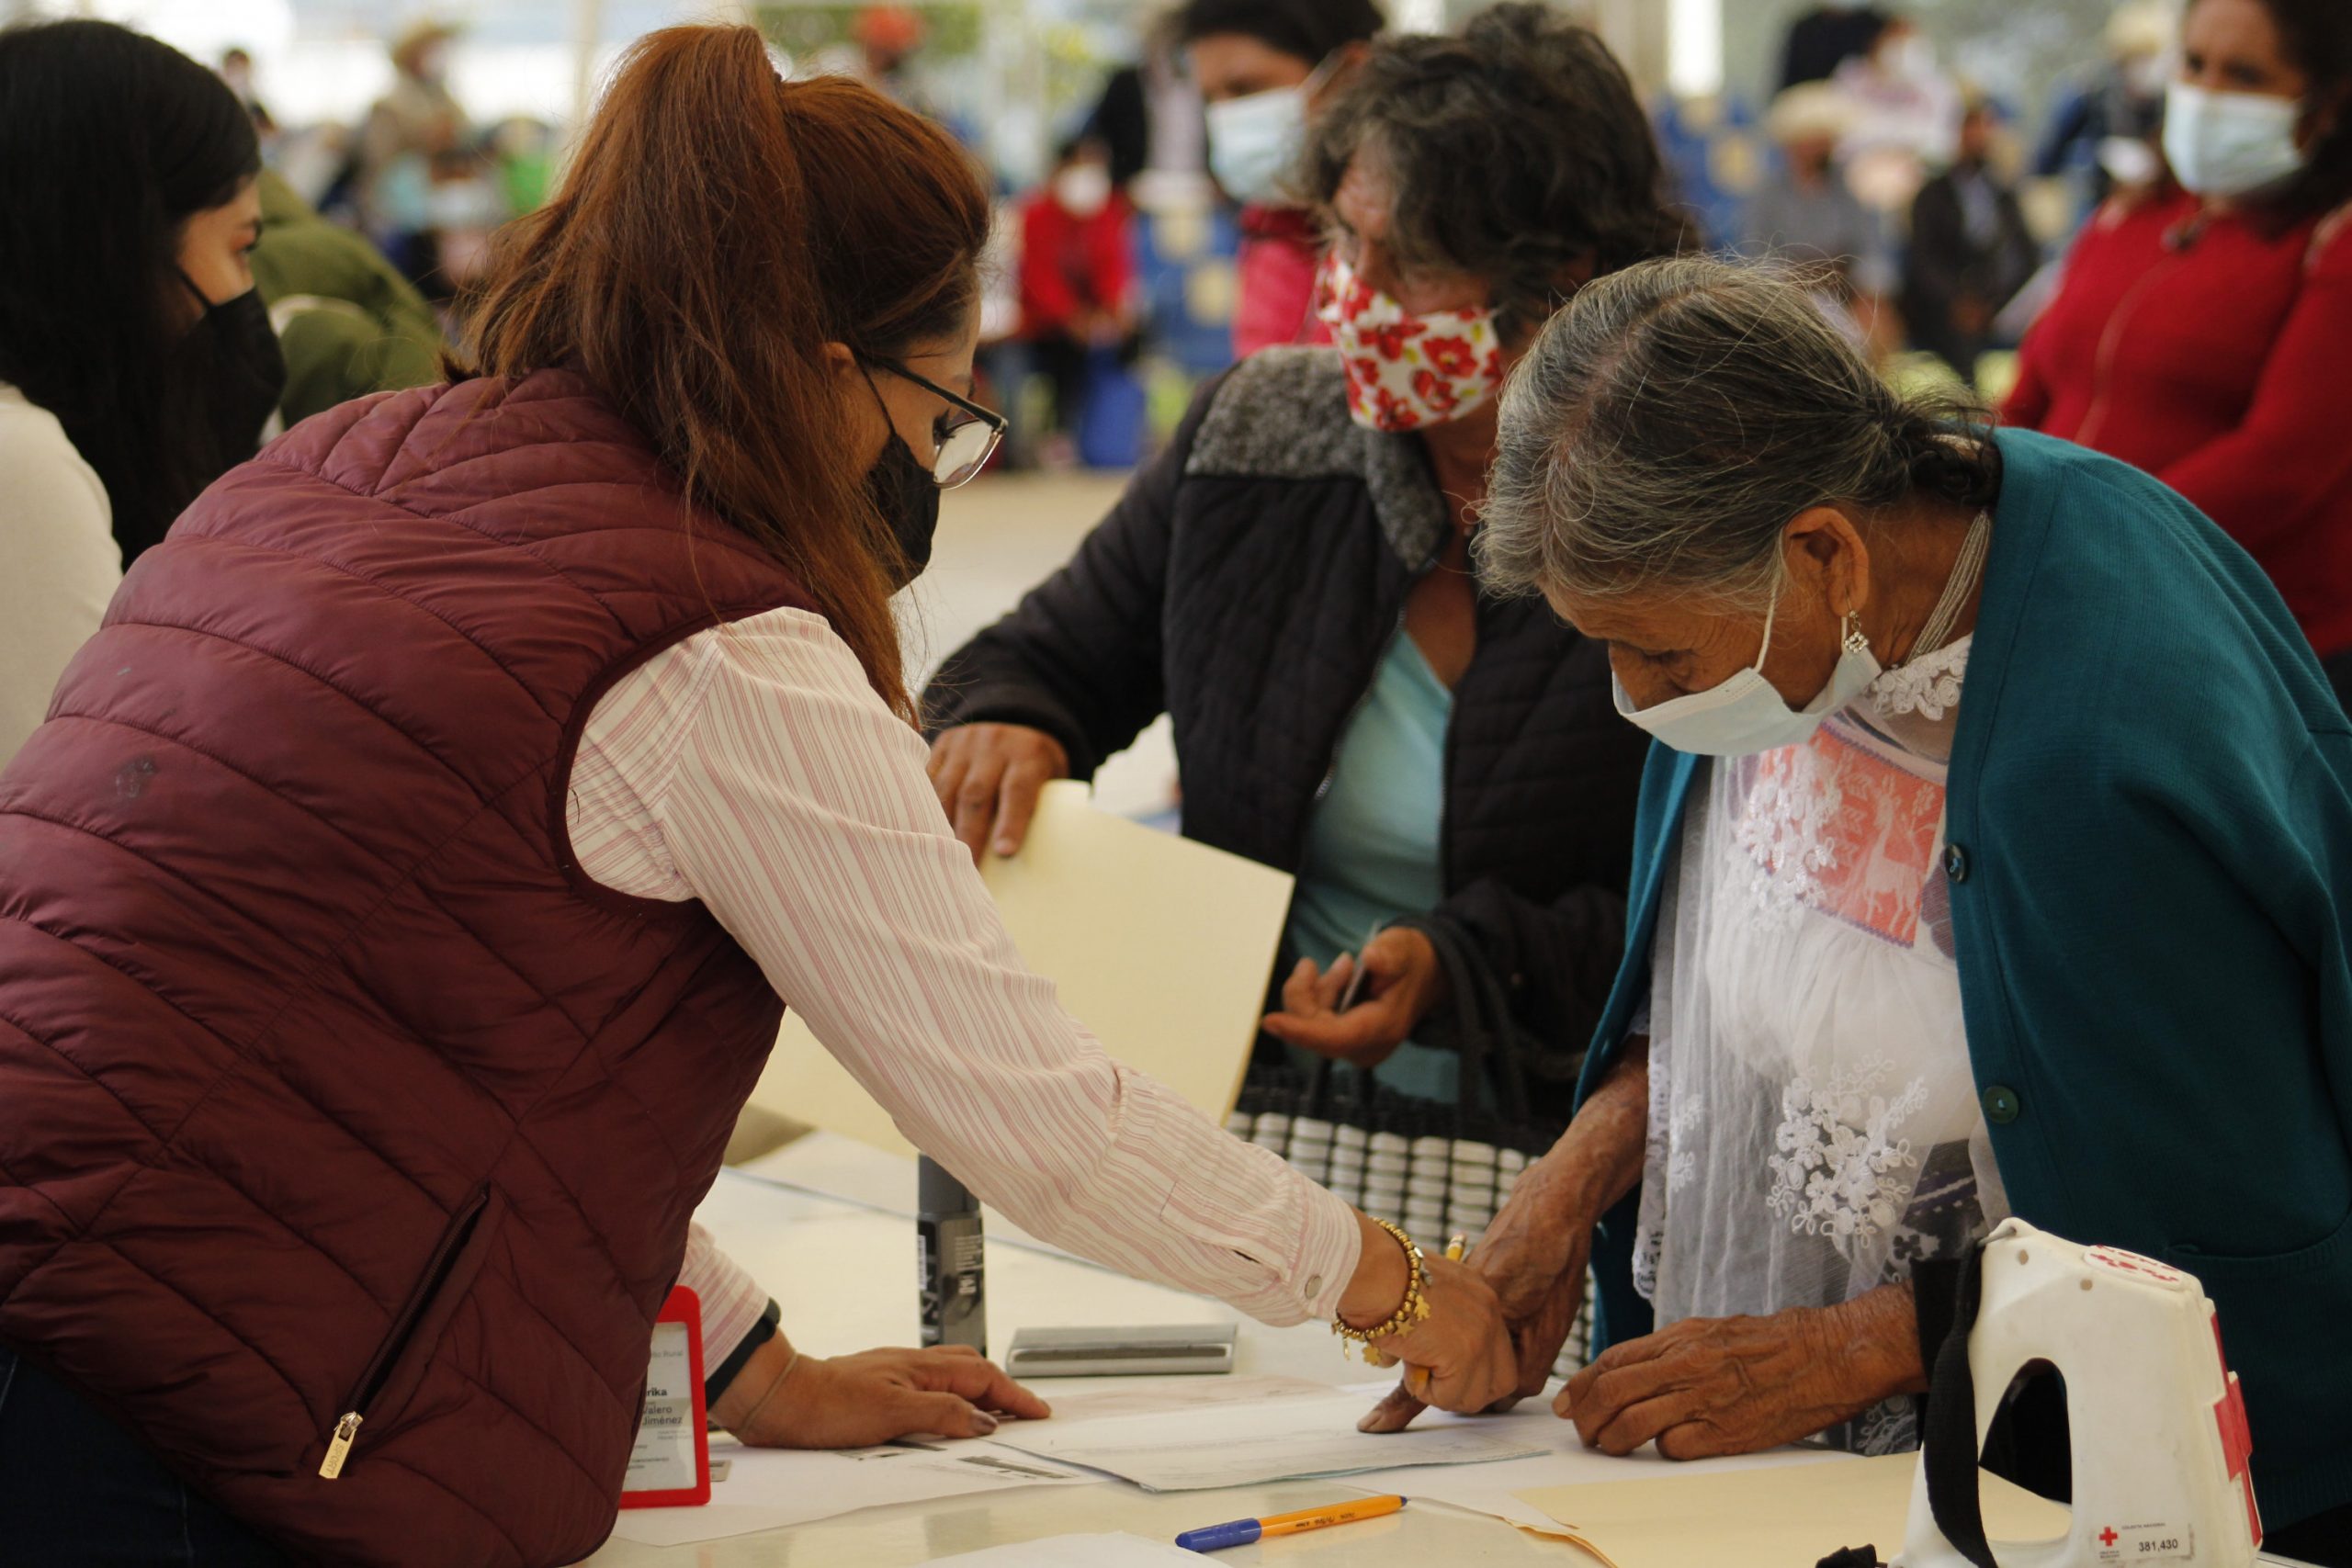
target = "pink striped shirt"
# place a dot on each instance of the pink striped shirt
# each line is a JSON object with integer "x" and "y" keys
{"x": 752, "y": 768}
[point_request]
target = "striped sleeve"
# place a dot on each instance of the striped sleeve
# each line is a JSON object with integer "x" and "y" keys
{"x": 752, "y": 768}
{"x": 732, "y": 1301}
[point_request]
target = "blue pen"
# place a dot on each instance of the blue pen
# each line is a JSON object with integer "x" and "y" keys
{"x": 1242, "y": 1532}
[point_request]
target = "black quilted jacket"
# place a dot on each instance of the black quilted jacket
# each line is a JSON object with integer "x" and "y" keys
{"x": 1247, "y": 584}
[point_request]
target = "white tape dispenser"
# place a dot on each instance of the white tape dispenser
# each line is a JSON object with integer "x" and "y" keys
{"x": 2158, "y": 1421}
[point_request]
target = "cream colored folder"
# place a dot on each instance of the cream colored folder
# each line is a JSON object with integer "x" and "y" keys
{"x": 1789, "y": 1517}
{"x": 1159, "y": 946}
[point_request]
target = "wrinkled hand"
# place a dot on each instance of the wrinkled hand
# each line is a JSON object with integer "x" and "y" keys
{"x": 855, "y": 1402}
{"x": 1535, "y": 1253}
{"x": 1404, "y": 981}
{"x": 1534, "y": 1258}
{"x": 1460, "y": 1356}
{"x": 989, "y": 776}
{"x": 1734, "y": 1385}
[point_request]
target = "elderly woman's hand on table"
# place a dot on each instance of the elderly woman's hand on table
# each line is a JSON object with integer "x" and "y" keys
{"x": 1734, "y": 1385}
{"x": 1703, "y": 1387}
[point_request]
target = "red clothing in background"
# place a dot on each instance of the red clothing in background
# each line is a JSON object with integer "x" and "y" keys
{"x": 2215, "y": 359}
{"x": 1274, "y": 280}
{"x": 1072, "y": 266}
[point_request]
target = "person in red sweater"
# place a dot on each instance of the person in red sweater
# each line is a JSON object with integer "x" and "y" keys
{"x": 1265, "y": 68}
{"x": 1077, "y": 272}
{"x": 2204, "y": 324}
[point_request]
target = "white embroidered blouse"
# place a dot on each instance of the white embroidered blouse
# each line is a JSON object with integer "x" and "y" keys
{"x": 1814, "y": 1125}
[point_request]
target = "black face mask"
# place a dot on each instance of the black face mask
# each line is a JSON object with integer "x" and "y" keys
{"x": 247, "y": 370}
{"x": 907, "y": 496}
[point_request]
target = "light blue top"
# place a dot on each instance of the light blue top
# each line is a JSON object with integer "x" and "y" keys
{"x": 1371, "y": 841}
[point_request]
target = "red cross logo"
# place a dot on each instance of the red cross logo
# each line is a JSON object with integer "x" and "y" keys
{"x": 2107, "y": 1536}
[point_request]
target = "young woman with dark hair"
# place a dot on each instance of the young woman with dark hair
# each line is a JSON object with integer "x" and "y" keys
{"x": 397, "y": 907}
{"x": 2203, "y": 327}
{"x": 136, "y": 362}
{"x": 1265, "y": 68}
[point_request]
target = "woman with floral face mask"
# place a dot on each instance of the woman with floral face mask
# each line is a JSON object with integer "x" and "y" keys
{"x": 1995, "y": 859}
{"x": 1290, "y": 582}
{"x": 2203, "y": 327}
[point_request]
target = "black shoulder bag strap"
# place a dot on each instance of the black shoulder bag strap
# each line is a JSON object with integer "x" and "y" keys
{"x": 1949, "y": 1440}
{"x": 1483, "y": 1036}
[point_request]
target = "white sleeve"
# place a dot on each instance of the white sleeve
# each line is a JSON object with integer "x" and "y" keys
{"x": 796, "y": 806}
{"x": 57, "y": 537}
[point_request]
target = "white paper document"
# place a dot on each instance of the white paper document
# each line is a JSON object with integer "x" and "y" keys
{"x": 1247, "y": 1443}
{"x": 1076, "y": 1551}
{"x": 1162, "y": 1396}
{"x": 769, "y": 1489}
{"x": 1491, "y": 1489}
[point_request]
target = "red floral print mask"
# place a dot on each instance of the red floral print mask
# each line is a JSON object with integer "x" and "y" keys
{"x": 1407, "y": 372}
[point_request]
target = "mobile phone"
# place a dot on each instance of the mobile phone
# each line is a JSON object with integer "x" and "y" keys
{"x": 1354, "y": 992}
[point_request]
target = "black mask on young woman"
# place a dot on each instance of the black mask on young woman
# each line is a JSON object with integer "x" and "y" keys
{"x": 247, "y": 369}
{"x": 908, "y": 497}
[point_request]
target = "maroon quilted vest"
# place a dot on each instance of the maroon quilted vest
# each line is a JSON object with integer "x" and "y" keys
{"x": 327, "y": 1082}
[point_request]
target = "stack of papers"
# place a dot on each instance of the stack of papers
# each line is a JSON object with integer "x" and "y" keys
{"x": 769, "y": 1489}
{"x": 1249, "y": 1442}
{"x": 1494, "y": 1489}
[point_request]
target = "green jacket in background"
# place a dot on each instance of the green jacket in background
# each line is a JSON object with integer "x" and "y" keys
{"x": 2149, "y": 811}
{"x": 349, "y": 323}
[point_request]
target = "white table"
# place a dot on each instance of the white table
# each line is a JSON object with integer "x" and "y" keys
{"x": 845, "y": 1278}
{"x": 843, "y": 1272}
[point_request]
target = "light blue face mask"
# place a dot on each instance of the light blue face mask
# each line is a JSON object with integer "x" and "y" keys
{"x": 1746, "y": 714}
{"x": 1253, "y": 141}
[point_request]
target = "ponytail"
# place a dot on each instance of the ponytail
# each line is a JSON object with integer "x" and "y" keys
{"x": 1941, "y": 443}
{"x": 720, "y": 228}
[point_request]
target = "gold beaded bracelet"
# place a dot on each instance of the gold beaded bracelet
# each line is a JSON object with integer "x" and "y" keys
{"x": 1415, "y": 1308}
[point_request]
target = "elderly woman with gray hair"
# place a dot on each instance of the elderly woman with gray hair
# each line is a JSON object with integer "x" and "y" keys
{"x": 1994, "y": 858}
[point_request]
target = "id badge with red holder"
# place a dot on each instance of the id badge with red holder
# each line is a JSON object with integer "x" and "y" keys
{"x": 670, "y": 1467}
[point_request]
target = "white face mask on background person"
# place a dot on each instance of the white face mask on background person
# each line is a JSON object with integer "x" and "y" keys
{"x": 1911, "y": 58}
{"x": 1253, "y": 141}
{"x": 2146, "y": 75}
{"x": 2129, "y": 162}
{"x": 1084, "y": 190}
{"x": 1746, "y": 714}
{"x": 2229, "y": 144}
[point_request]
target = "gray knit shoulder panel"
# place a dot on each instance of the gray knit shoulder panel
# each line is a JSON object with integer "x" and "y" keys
{"x": 1282, "y": 414}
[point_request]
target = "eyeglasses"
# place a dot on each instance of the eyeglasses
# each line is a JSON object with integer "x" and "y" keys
{"x": 964, "y": 439}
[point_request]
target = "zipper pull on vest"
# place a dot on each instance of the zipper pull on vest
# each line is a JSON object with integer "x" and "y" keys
{"x": 339, "y": 1446}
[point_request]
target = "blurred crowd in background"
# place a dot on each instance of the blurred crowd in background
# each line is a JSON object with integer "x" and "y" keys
{"x": 1146, "y": 240}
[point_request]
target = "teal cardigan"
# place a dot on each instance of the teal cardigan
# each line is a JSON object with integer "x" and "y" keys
{"x": 2149, "y": 811}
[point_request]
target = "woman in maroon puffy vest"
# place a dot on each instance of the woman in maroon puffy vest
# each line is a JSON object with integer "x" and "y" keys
{"x": 401, "y": 897}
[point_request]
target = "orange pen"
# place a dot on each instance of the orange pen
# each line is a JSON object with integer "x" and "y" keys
{"x": 1241, "y": 1532}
